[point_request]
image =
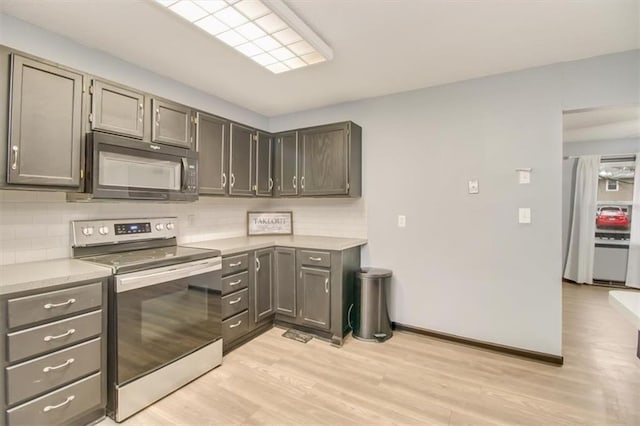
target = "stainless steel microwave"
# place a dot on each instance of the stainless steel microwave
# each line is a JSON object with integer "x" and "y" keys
{"x": 128, "y": 169}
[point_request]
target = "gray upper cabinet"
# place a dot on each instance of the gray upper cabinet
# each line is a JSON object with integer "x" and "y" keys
{"x": 263, "y": 282}
{"x": 285, "y": 276}
{"x": 286, "y": 164}
{"x": 172, "y": 123}
{"x": 264, "y": 180}
{"x": 116, "y": 110}
{"x": 315, "y": 297}
{"x": 330, "y": 160}
{"x": 45, "y": 129}
{"x": 212, "y": 143}
{"x": 241, "y": 160}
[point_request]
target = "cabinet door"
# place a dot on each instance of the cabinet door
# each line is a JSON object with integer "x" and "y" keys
{"x": 286, "y": 175}
{"x": 172, "y": 123}
{"x": 212, "y": 143}
{"x": 264, "y": 181}
{"x": 241, "y": 160}
{"x": 285, "y": 272}
{"x": 325, "y": 160}
{"x": 263, "y": 294}
{"x": 45, "y": 133}
{"x": 315, "y": 297}
{"x": 116, "y": 110}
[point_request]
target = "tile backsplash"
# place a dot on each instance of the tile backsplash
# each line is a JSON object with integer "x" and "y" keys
{"x": 35, "y": 225}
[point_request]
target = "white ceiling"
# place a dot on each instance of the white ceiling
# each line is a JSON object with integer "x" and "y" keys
{"x": 621, "y": 122}
{"x": 380, "y": 46}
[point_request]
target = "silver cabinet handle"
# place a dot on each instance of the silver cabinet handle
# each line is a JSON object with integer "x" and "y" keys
{"x": 233, "y": 302}
{"x": 58, "y": 305}
{"x": 326, "y": 285}
{"x": 66, "y": 363}
{"x": 236, "y": 324}
{"x": 302, "y": 182}
{"x": 295, "y": 182}
{"x": 270, "y": 184}
{"x": 141, "y": 106}
{"x": 62, "y": 404}
{"x": 233, "y": 265}
{"x": 235, "y": 283}
{"x": 60, "y": 336}
{"x": 315, "y": 259}
{"x": 14, "y": 165}
{"x": 233, "y": 180}
{"x": 257, "y": 264}
{"x": 224, "y": 180}
{"x": 158, "y": 117}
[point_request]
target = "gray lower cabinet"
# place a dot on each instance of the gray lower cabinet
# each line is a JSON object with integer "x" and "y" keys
{"x": 45, "y": 127}
{"x": 54, "y": 355}
{"x": 171, "y": 123}
{"x": 116, "y": 110}
{"x": 330, "y": 160}
{"x": 286, "y": 164}
{"x": 264, "y": 285}
{"x": 285, "y": 281}
{"x": 212, "y": 144}
{"x": 264, "y": 168}
{"x": 315, "y": 297}
{"x": 241, "y": 160}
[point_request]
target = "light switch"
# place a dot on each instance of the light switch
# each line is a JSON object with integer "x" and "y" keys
{"x": 524, "y": 176}
{"x": 524, "y": 215}
{"x": 474, "y": 187}
{"x": 402, "y": 221}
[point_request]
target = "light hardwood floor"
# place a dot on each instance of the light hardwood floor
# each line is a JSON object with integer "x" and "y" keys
{"x": 412, "y": 379}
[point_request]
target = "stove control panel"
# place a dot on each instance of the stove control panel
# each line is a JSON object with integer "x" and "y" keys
{"x": 113, "y": 231}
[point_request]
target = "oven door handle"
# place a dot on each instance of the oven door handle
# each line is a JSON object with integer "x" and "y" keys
{"x": 135, "y": 280}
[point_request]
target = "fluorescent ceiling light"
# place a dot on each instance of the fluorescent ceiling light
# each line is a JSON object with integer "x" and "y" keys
{"x": 266, "y": 31}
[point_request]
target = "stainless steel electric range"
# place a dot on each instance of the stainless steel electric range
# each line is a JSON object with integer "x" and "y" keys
{"x": 165, "y": 320}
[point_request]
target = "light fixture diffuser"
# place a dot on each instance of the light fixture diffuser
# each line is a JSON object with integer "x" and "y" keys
{"x": 266, "y": 31}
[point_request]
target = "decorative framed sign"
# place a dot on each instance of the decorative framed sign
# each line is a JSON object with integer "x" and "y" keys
{"x": 269, "y": 223}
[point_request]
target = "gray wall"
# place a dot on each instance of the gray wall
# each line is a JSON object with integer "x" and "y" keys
{"x": 463, "y": 265}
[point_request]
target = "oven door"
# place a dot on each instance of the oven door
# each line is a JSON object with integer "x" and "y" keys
{"x": 163, "y": 314}
{"x": 124, "y": 168}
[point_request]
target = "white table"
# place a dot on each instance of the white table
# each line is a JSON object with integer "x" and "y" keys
{"x": 628, "y": 304}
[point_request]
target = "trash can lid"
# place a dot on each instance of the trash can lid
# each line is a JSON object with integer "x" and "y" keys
{"x": 369, "y": 272}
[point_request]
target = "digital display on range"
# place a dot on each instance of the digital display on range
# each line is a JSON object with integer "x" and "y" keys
{"x": 133, "y": 228}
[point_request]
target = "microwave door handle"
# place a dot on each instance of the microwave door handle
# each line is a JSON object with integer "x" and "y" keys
{"x": 139, "y": 280}
{"x": 185, "y": 166}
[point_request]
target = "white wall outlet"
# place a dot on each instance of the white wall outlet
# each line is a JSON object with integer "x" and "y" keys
{"x": 524, "y": 215}
{"x": 402, "y": 221}
{"x": 191, "y": 219}
{"x": 474, "y": 186}
{"x": 524, "y": 176}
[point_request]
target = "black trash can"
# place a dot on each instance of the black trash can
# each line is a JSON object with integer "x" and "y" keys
{"x": 368, "y": 316}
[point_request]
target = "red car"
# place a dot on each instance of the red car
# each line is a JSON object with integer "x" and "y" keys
{"x": 612, "y": 217}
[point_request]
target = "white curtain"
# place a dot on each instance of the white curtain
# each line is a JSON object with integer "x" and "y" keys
{"x": 579, "y": 267}
{"x": 633, "y": 264}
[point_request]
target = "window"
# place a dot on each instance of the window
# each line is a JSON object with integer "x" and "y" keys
{"x": 615, "y": 197}
{"x": 612, "y": 185}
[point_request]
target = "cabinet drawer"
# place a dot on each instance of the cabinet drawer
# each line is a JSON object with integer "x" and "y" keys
{"x": 235, "y": 282}
{"x": 235, "y": 327}
{"x": 46, "y": 306}
{"x": 235, "y": 302}
{"x": 59, "y": 407}
{"x": 315, "y": 258}
{"x": 50, "y": 371}
{"x": 48, "y": 337}
{"x": 231, "y": 265}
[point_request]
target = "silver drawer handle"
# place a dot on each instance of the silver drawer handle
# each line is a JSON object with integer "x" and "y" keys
{"x": 62, "y": 404}
{"x": 60, "y": 336}
{"x": 235, "y": 283}
{"x": 233, "y": 302}
{"x": 57, "y": 305}
{"x": 154, "y": 147}
{"x": 66, "y": 363}
{"x": 233, "y": 265}
{"x": 315, "y": 259}
{"x": 236, "y": 324}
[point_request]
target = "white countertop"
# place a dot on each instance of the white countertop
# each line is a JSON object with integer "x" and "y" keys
{"x": 239, "y": 244}
{"x": 39, "y": 275}
{"x": 628, "y": 304}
